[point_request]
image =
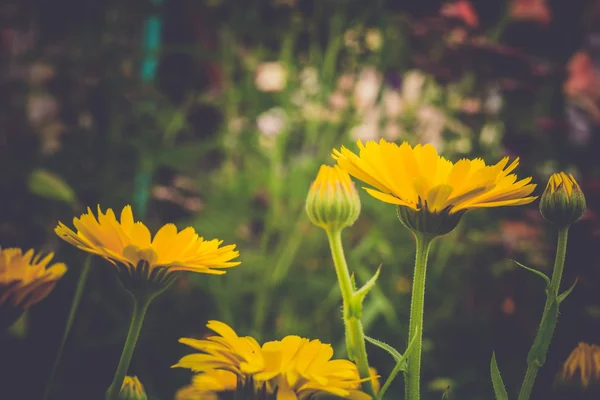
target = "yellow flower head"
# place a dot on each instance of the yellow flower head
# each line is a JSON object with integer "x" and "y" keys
{"x": 132, "y": 389}
{"x": 25, "y": 279}
{"x": 129, "y": 245}
{"x": 294, "y": 368}
{"x": 332, "y": 201}
{"x": 418, "y": 179}
{"x": 585, "y": 362}
{"x": 205, "y": 386}
{"x": 563, "y": 202}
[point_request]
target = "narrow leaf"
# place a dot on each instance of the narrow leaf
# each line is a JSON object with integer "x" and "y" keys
{"x": 448, "y": 395}
{"x": 382, "y": 345}
{"x": 535, "y": 271}
{"x": 401, "y": 364}
{"x": 497, "y": 383}
{"x": 566, "y": 293}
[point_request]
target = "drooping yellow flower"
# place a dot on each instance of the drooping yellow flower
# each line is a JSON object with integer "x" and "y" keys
{"x": 563, "y": 202}
{"x": 585, "y": 362}
{"x": 129, "y": 245}
{"x": 25, "y": 279}
{"x": 332, "y": 201}
{"x": 228, "y": 351}
{"x": 417, "y": 176}
{"x": 432, "y": 193}
{"x": 205, "y": 386}
{"x": 132, "y": 389}
{"x": 293, "y": 368}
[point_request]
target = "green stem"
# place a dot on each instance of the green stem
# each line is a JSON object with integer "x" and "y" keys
{"x": 74, "y": 306}
{"x": 534, "y": 365}
{"x": 355, "y": 337}
{"x": 140, "y": 306}
{"x": 413, "y": 374}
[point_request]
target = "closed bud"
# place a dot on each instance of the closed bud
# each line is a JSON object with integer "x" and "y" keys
{"x": 333, "y": 202}
{"x": 563, "y": 202}
{"x": 132, "y": 389}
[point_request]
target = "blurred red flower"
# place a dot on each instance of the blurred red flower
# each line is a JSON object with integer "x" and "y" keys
{"x": 530, "y": 10}
{"x": 461, "y": 10}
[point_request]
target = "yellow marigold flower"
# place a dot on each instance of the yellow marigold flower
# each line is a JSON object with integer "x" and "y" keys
{"x": 418, "y": 179}
{"x": 132, "y": 389}
{"x": 332, "y": 201}
{"x": 129, "y": 246}
{"x": 585, "y": 362}
{"x": 563, "y": 202}
{"x": 25, "y": 279}
{"x": 205, "y": 386}
{"x": 293, "y": 368}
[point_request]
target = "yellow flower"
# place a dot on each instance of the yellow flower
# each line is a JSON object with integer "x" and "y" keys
{"x": 293, "y": 368}
{"x": 25, "y": 279}
{"x": 205, "y": 386}
{"x": 563, "y": 202}
{"x": 585, "y": 361}
{"x": 332, "y": 201}
{"x": 132, "y": 389}
{"x": 129, "y": 245}
{"x": 418, "y": 179}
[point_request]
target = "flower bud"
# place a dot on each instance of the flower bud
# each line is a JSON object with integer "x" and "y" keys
{"x": 132, "y": 389}
{"x": 563, "y": 202}
{"x": 333, "y": 201}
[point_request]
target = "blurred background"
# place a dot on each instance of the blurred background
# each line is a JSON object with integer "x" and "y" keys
{"x": 217, "y": 114}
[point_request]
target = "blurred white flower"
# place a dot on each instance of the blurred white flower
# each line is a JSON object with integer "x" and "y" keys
{"x": 338, "y": 101}
{"x": 463, "y": 145}
{"x": 392, "y": 131}
{"x": 490, "y": 135}
{"x": 346, "y": 82}
{"x": 309, "y": 79}
{"x": 270, "y": 77}
{"x": 367, "y": 88}
{"x": 41, "y": 108}
{"x": 412, "y": 87}
{"x": 369, "y": 128}
{"x": 271, "y": 122}
{"x": 373, "y": 39}
{"x": 493, "y": 102}
{"x": 430, "y": 125}
{"x": 393, "y": 103}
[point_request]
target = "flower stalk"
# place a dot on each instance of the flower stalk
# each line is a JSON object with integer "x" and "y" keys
{"x": 352, "y": 310}
{"x": 537, "y": 355}
{"x": 73, "y": 310}
{"x": 412, "y": 377}
{"x": 140, "y": 306}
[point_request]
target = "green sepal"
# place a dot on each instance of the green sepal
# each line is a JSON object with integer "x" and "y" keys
{"x": 537, "y": 354}
{"x": 561, "y": 297}
{"x": 359, "y": 296}
{"x": 497, "y": 382}
{"x": 535, "y": 271}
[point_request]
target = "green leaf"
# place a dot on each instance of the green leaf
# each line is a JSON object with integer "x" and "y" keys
{"x": 51, "y": 186}
{"x": 535, "y": 271}
{"x": 566, "y": 293}
{"x": 497, "y": 383}
{"x": 401, "y": 364}
{"x": 382, "y": 345}
{"x": 359, "y": 296}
